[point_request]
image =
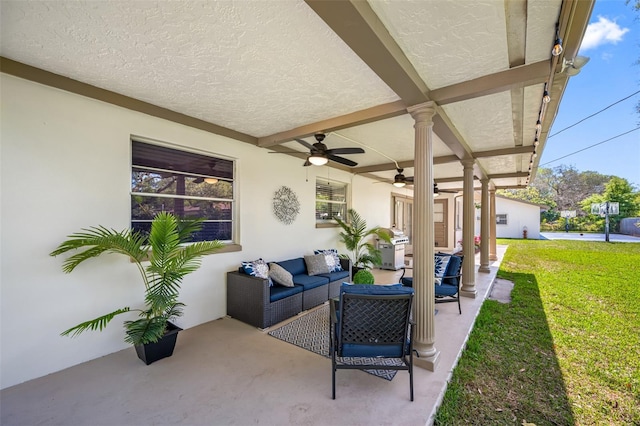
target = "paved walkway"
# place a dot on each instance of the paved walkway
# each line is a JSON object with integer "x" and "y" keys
{"x": 614, "y": 238}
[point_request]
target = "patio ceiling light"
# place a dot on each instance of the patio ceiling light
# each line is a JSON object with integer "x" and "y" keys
{"x": 399, "y": 184}
{"x": 211, "y": 180}
{"x": 557, "y": 45}
{"x": 545, "y": 97}
{"x": 318, "y": 159}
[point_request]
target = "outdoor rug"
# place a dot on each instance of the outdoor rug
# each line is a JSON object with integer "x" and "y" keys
{"x": 311, "y": 332}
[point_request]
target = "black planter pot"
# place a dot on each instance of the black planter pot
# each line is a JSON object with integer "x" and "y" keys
{"x": 354, "y": 270}
{"x": 163, "y": 348}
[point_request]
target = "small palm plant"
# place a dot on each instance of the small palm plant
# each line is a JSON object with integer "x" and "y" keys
{"x": 169, "y": 262}
{"x": 354, "y": 237}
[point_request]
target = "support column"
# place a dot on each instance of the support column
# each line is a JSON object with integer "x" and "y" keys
{"x": 485, "y": 234}
{"x": 468, "y": 225}
{"x": 493, "y": 250}
{"x": 423, "y": 268}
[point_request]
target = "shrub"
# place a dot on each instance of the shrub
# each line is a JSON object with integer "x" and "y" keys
{"x": 363, "y": 276}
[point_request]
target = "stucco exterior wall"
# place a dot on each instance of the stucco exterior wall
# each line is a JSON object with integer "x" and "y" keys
{"x": 519, "y": 215}
{"x": 65, "y": 165}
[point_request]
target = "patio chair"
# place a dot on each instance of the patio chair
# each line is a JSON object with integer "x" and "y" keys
{"x": 449, "y": 288}
{"x": 370, "y": 322}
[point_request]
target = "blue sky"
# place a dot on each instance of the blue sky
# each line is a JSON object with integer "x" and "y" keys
{"x": 612, "y": 42}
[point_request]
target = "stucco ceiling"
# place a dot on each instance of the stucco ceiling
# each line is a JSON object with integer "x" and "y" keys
{"x": 273, "y": 71}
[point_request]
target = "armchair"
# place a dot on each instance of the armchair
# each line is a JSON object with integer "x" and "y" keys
{"x": 372, "y": 321}
{"x": 449, "y": 288}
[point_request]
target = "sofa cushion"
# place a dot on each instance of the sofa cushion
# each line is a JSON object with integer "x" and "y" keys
{"x": 279, "y": 275}
{"x": 279, "y": 292}
{"x": 335, "y": 276}
{"x": 309, "y": 281}
{"x": 332, "y": 259}
{"x": 257, "y": 268}
{"x": 316, "y": 264}
{"x": 294, "y": 266}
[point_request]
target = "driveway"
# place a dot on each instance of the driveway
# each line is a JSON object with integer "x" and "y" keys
{"x": 617, "y": 238}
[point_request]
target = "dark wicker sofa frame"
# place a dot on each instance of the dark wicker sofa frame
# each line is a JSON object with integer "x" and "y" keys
{"x": 248, "y": 298}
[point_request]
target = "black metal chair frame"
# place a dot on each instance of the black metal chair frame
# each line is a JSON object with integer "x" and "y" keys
{"x": 372, "y": 320}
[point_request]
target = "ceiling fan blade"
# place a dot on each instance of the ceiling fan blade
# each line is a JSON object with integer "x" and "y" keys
{"x": 305, "y": 144}
{"x": 307, "y": 163}
{"x": 409, "y": 179}
{"x": 342, "y": 160}
{"x": 198, "y": 180}
{"x": 345, "y": 151}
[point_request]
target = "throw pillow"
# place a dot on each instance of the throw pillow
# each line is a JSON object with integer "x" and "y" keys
{"x": 439, "y": 266}
{"x": 316, "y": 264}
{"x": 332, "y": 259}
{"x": 280, "y": 275}
{"x": 257, "y": 268}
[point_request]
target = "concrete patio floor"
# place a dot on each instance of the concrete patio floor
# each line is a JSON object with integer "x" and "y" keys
{"x": 225, "y": 372}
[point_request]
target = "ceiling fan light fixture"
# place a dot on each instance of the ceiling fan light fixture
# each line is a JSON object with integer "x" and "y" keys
{"x": 211, "y": 180}
{"x": 399, "y": 184}
{"x": 318, "y": 159}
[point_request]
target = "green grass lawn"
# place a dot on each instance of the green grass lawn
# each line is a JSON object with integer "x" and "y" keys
{"x": 566, "y": 350}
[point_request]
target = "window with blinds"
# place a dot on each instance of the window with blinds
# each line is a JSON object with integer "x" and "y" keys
{"x": 331, "y": 201}
{"x": 501, "y": 219}
{"x": 188, "y": 184}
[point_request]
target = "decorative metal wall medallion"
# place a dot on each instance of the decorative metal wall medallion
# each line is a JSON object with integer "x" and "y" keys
{"x": 286, "y": 205}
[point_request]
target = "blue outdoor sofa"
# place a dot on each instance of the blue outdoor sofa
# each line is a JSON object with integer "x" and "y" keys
{"x": 252, "y": 300}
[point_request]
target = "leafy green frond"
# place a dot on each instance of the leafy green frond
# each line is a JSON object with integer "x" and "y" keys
{"x": 163, "y": 238}
{"x": 144, "y": 330}
{"x": 98, "y": 240}
{"x": 187, "y": 227}
{"x": 174, "y": 311}
{"x": 94, "y": 324}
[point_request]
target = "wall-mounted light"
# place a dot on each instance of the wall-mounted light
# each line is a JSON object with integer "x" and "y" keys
{"x": 573, "y": 66}
{"x": 318, "y": 159}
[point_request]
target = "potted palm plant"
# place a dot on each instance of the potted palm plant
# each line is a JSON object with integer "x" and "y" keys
{"x": 356, "y": 238}
{"x": 169, "y": 261}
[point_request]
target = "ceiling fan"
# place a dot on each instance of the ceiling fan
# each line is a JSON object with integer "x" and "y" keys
{"x": 401, "y": 180}
{"x": 319, "y": 154}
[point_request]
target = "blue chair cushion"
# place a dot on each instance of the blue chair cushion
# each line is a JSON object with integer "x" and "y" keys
{"x": 453, "y": 268}
{"x": 310, "y": 281}
{"x": 373, "y": 351}
{"x": 374, "y": 289}
{"x": 295, "y": 266}
{"x": 446, "y": 290}
{"x": 335, "y": 276}
{"x": 279, "y": 292}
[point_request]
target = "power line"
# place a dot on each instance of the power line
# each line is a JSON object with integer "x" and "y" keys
{"x": 594, "y": 114}
{"x": 590, "y": 146}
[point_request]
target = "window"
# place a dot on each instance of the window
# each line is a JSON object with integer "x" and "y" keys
{"x": 331, "y": 201}
{"x": 501, "y": 219}
{"x": 187, "y": 184}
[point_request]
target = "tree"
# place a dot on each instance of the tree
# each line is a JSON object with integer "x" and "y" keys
{"x": 567, "y": 187}
{"x": 620, "y": 191}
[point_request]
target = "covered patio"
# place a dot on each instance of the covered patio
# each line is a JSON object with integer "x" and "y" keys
{"x": 447, "y": 99}
{"x": 227, "y": 372}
